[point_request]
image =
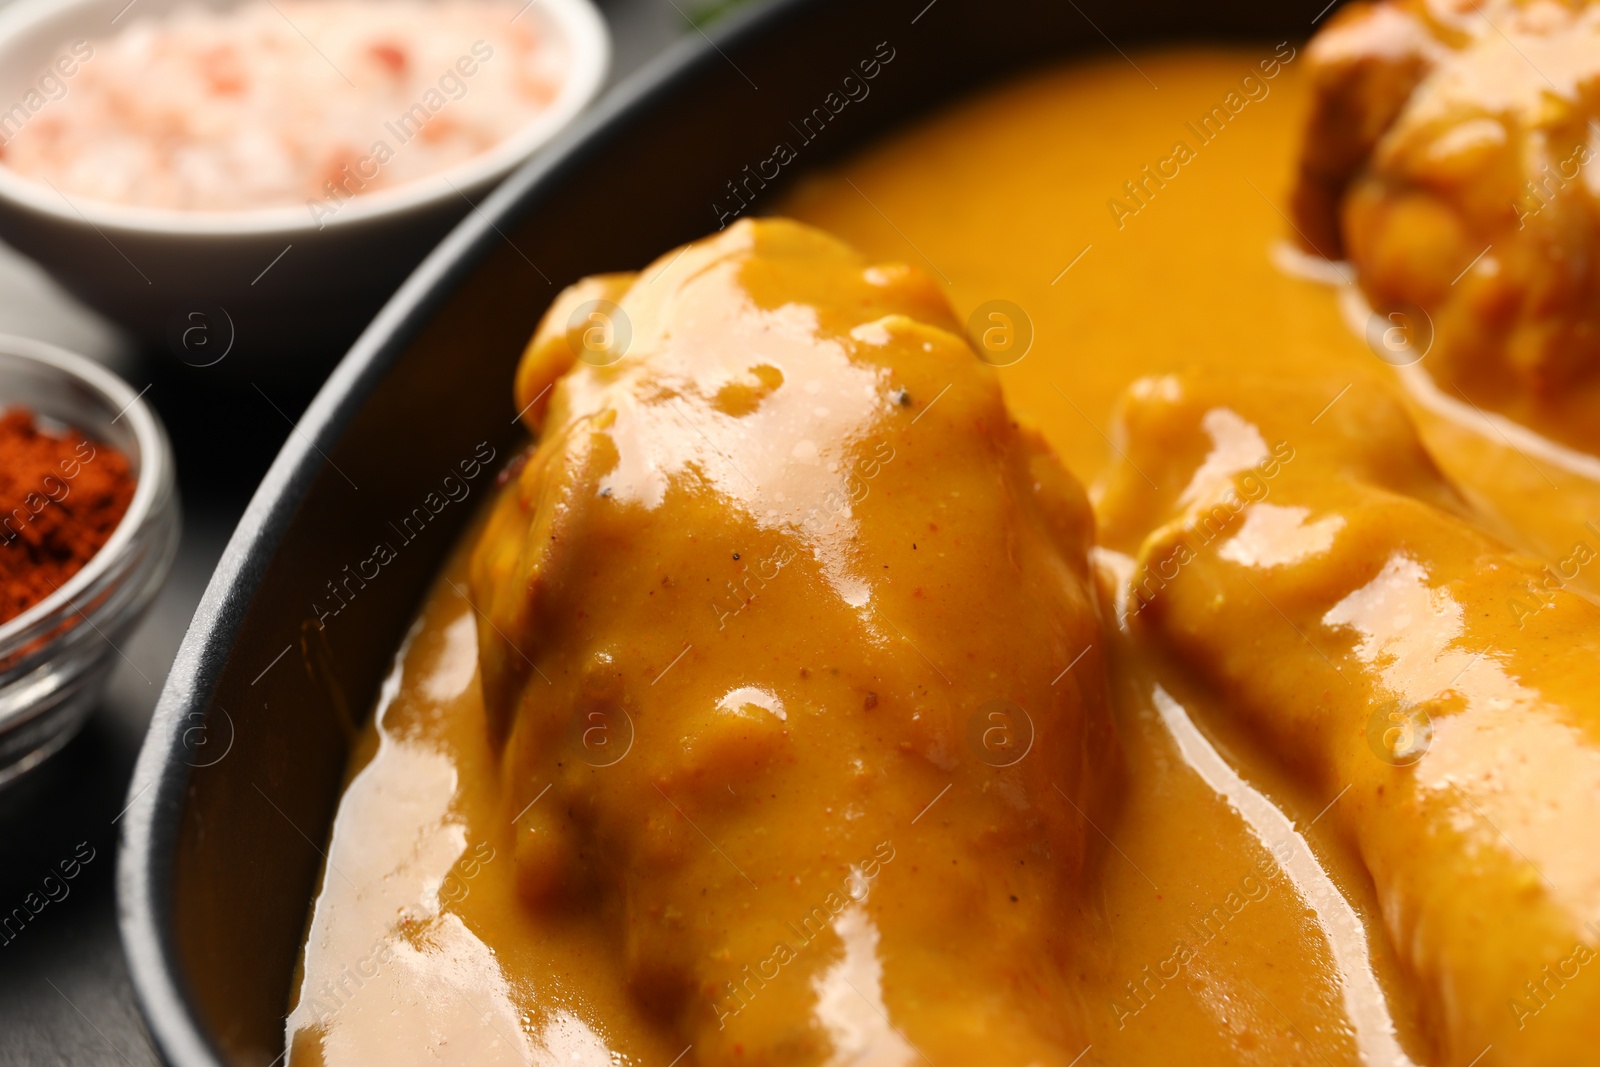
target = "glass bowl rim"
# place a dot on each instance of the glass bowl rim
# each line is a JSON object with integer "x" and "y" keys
{"x": 155, "y": 471}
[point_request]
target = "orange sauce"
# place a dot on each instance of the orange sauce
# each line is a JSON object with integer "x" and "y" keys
{"x": 1226, "y": 920}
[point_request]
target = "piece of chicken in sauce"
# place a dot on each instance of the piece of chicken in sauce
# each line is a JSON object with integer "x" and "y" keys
{"x": 780, "y": 610}
{"x": 1448, "y": 155}
{"x": 1441, "y": 692}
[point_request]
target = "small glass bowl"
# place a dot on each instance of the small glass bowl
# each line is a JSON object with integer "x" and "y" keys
{"x": 55, "y": 656}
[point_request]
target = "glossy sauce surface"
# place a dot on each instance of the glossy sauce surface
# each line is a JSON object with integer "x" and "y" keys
{"x": 749, "y": 611}
{"x": 1223, "y": 913}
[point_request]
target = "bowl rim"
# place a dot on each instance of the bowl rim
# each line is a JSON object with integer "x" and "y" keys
{"x": 589, "y": 60}
{"x": 155, "y": 469}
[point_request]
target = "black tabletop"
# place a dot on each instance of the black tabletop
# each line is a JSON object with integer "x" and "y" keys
{"x": 64, "y": 991}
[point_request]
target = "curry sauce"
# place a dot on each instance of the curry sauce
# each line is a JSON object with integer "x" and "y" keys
{"x": 794, "y": 705}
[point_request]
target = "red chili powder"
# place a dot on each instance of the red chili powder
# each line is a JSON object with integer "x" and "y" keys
{"x": 60, "y": 499}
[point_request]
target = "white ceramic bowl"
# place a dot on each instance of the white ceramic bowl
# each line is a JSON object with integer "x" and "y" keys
{"x": 160, "y": 272}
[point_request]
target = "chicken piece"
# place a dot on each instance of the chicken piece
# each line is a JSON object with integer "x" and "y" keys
{"x": 780, "y": 612}
{"x": 1447, "y": 155}
{"x": 1438, "y": 691}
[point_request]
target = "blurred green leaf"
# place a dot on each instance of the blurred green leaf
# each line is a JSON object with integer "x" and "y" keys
{"x": 705, "y": 12}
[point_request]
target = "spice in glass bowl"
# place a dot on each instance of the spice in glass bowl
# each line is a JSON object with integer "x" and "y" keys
{"x": 61, "y": 497}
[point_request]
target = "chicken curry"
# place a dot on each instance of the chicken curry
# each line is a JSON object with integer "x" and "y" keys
{"x": 1036, "y": 603}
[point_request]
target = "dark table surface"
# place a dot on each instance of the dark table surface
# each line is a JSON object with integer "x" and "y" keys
{"x": 65, "y": 997}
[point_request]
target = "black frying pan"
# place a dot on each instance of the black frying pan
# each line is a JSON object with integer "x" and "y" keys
{"x": 219, "y": 862}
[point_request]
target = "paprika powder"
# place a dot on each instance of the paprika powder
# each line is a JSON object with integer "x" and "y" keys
{"x": 61, "y": 496}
